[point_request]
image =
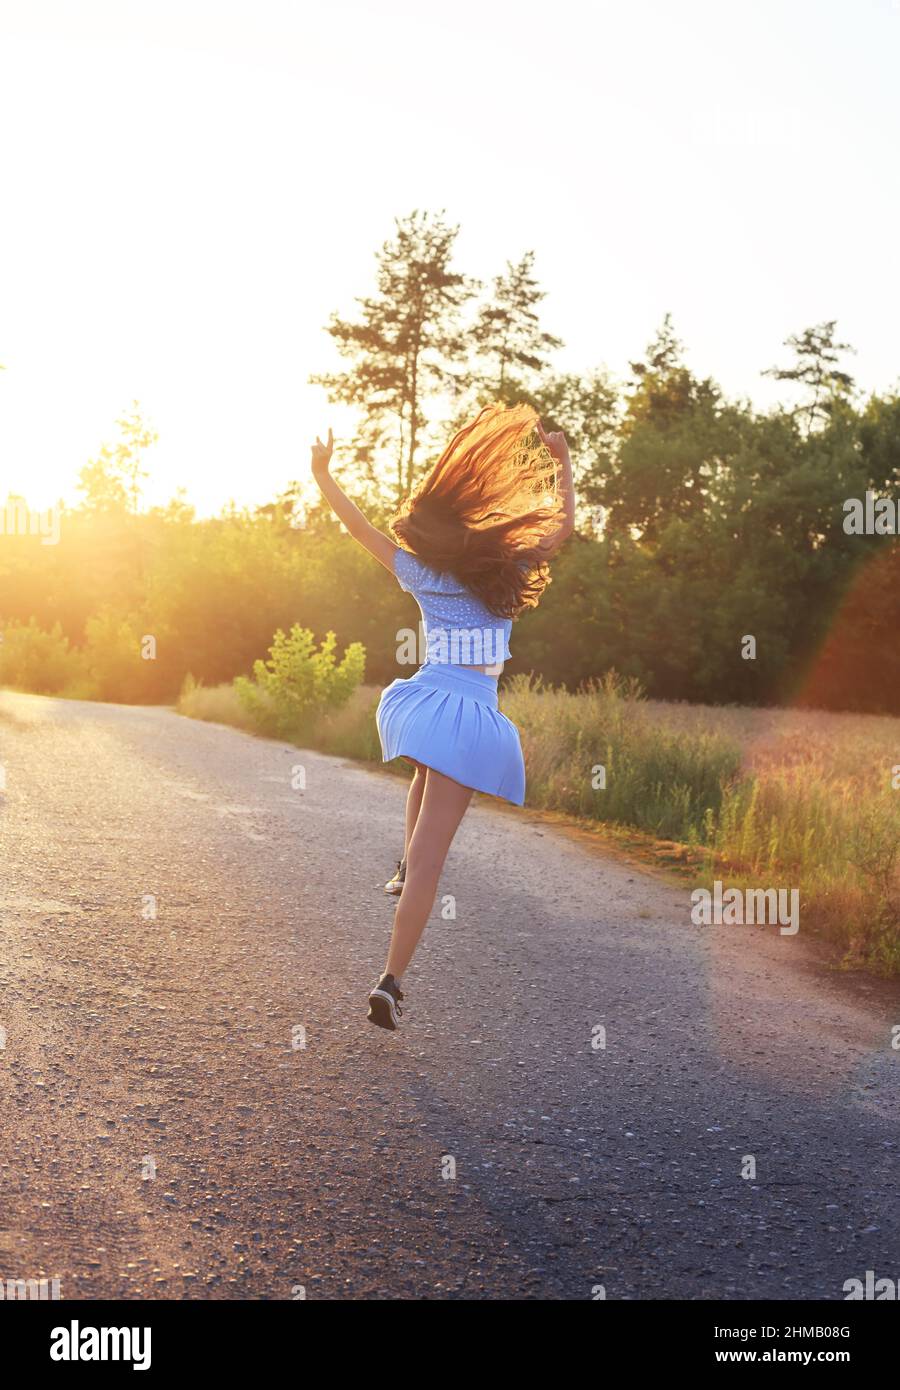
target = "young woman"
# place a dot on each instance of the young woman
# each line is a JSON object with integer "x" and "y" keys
{"x": 475, "y": 537}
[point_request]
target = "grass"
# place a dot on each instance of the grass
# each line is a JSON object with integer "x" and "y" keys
{"x": 215, "y": 704}
{"x": 758, "y": 798}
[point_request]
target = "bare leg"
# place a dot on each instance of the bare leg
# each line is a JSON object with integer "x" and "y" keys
{"x": 413, "y": 805}
{"x": 443, "y": 807}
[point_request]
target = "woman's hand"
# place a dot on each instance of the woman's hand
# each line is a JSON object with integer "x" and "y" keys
{"x": 359, "y": 526}
{"x": 321, "y": 455}
{"x": 555, "y": 442}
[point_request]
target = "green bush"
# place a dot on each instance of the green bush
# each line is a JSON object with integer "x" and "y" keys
{"x": 43, "y": 662}
{"x": 298, "y": 684}
{"x": 112, "y": 654}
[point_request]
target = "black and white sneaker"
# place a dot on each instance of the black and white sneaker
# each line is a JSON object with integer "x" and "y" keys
{"x": 394, "y": 885}
{"x": 384, "y": 1003}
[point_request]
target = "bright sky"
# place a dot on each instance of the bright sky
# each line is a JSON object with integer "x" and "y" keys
{"x": 190, "y": 189}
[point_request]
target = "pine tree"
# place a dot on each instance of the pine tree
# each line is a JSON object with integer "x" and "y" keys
{"x": 664, "y": 353}
{"x": 815, "y": 366}
{"x": 406, "y": 346}
{"x": 507, "y": 332}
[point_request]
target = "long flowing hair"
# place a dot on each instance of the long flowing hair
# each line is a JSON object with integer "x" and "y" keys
{"x": 484, "y": 508}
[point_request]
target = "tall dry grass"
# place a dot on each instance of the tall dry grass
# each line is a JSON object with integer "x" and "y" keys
{"x": 602, "y": 753}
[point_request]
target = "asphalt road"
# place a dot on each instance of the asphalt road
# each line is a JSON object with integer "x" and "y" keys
{"x": 166, "y": 1134}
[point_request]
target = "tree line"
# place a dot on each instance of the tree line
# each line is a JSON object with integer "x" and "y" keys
{"x": 702, "y": 520}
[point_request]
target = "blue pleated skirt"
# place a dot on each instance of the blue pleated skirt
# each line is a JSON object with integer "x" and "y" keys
{"x": 446, "y": 717}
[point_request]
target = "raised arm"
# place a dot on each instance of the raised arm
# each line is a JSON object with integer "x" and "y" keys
{"x": 377, "y": 544}
{"x": 556, "y": 443}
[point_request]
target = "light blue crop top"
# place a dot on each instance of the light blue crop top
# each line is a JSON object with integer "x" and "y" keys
{"x": 459, "y": 629}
